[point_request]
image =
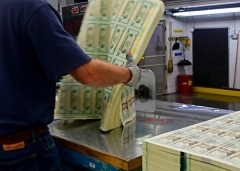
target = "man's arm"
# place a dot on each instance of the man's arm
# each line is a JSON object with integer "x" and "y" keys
{"x": 97, "y": 73}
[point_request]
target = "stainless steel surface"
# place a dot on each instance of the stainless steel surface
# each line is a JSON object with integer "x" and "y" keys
{"x": 154, "y": 117}
{"x": 119, "y": 142}
{"x": 203, "y": 99}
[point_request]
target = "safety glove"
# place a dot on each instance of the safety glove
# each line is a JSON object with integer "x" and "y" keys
{"x": 135, "y": 70}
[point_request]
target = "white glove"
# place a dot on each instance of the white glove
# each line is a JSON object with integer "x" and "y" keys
{"x": 135, "y": 70}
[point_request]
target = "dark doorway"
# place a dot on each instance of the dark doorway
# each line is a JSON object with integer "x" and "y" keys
{"x": 210, "y": 58}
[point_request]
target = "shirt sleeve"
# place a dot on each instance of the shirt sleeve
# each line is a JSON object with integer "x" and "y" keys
{"x": 56, "y": 50}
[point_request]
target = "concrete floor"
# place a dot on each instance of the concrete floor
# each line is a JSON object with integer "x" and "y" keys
{"x": 202, "y": 99}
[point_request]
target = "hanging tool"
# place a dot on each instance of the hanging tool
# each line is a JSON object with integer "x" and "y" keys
{"x": 184, "y": 62}
{"x": 235, "y": 69}
{"x": 176, "y": 45}
{"x": 170, "y": 60}
{"x": 186, "y": 42}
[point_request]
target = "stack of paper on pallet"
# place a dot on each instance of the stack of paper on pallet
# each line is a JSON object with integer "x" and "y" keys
{"x": 110, "y": 28}
{"x": 213, "y": 145}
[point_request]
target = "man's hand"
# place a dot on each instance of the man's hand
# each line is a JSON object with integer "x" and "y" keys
{"x": 135, "y": 70}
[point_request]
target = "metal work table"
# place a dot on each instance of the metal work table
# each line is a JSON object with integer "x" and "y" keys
{"x": 81, "y": 142}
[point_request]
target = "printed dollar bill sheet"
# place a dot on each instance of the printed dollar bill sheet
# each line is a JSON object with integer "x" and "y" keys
{"x": 78, "y": 101}
{"x": 211, "y": 145}
{"x": 109, "y": 29}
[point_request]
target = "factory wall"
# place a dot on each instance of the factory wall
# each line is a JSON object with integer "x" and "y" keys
{"x": 179, "y": 29}
{"x": 185, "y": 24}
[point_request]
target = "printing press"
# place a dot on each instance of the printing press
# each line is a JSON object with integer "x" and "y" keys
{"x": 83, "y": 146}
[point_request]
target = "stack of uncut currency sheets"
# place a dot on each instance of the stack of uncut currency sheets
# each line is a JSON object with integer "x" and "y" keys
{"x": 213, "y": 145}
{"x": 110, "y": 28}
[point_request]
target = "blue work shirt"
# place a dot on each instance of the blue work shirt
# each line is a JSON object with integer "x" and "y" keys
{"x": 34, "y": 50}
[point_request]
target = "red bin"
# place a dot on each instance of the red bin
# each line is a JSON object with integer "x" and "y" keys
{"x": 184, "y": 82}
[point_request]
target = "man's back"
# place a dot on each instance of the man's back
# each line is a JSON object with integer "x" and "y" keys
{"x": 32, "y": 53}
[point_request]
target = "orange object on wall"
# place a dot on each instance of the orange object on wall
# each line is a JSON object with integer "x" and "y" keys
{"x": 184, "y": 82}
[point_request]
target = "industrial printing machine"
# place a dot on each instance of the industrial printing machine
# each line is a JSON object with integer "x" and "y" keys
{"x": 83, "y": 146}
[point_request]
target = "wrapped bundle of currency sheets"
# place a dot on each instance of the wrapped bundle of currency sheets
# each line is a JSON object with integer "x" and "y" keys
{"x": 109, "y": 29}
{"x": 213, "y": 145}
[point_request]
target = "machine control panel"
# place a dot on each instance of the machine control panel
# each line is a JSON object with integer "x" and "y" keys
{"x": 72, "y": 17}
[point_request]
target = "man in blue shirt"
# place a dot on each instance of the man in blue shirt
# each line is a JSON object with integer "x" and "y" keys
{"x": 34, "y": 50}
